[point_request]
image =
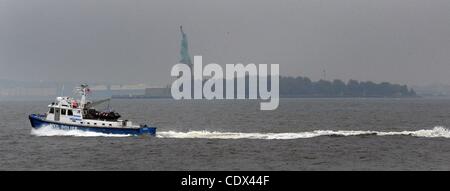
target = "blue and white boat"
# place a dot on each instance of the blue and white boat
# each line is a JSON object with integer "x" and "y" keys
{"x": 67, "y": 113}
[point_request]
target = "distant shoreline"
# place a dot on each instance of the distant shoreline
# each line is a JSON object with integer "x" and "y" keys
{"x": 4, "y": 100}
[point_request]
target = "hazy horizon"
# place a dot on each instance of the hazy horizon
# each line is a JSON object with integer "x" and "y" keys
{"x": 122, "y": 42}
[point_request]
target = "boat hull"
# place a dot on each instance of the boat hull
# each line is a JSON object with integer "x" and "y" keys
{"x": 37, "y": 121}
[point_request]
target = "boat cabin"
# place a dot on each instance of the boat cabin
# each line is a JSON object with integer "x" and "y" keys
{"x": 71, "y": 111}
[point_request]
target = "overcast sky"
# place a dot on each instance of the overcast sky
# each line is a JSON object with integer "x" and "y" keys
{"x": 130, "y": 41}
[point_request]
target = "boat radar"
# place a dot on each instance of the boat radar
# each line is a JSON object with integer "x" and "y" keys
{"x": 67, "y": 113}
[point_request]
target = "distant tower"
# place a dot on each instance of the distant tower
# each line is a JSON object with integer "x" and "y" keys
{"x": 185, "y": 57}
{"x": 324, "y": 74}
{"x": 184, "y": 52}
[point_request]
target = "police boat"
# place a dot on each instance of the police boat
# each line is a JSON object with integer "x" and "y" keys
{"x": 67, "y": 113}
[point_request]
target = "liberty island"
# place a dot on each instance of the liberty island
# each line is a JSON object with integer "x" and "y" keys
{"x": 213, "y": 88}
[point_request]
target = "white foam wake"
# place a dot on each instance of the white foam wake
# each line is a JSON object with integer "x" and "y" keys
{"x": 431, "y": 133}
{"x": 50, "y": 131}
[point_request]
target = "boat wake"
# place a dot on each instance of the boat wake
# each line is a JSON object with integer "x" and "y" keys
{"x": 50, "y": 131}
{"x": 430, "y": 133}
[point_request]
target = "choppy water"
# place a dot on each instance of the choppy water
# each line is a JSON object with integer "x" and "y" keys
{"x": 303, "y": 134}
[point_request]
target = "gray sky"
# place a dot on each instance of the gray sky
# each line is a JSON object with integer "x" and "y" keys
{"x": 129, "y": 41}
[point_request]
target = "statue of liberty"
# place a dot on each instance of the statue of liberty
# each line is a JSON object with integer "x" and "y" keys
{"x": 185, "y": 58}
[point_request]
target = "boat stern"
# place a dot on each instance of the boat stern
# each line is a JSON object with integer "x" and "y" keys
{"x": 146, "y": 130}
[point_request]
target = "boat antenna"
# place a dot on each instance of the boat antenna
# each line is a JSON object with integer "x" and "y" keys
{"x": 108, "y": 108}
{"x": 62, "y": 90}
{"x": 83, "y": 90}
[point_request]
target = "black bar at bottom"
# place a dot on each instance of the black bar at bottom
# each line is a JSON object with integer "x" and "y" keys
{"x": 212, "y": 180}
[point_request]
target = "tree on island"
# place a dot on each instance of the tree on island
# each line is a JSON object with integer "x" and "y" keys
{"x": 304, "y": 87}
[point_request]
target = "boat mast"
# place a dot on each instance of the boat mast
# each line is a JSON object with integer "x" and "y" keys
{"x": 83, "y": 92}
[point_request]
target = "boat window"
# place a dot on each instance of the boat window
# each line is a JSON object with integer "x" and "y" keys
{"x": 69, "y": 112}
{"x": 88, "y": 123}
{"x": 103, "y": 124}
{"x": 110, "y": 125}
{"x": 81, "y": 122}
{"x": 52, "y": 110}
{"x": 95, "y": 123}
{"x": 63, "y": 112}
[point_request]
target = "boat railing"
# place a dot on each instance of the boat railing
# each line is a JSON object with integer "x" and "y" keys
{"x": 39, "y": 115}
